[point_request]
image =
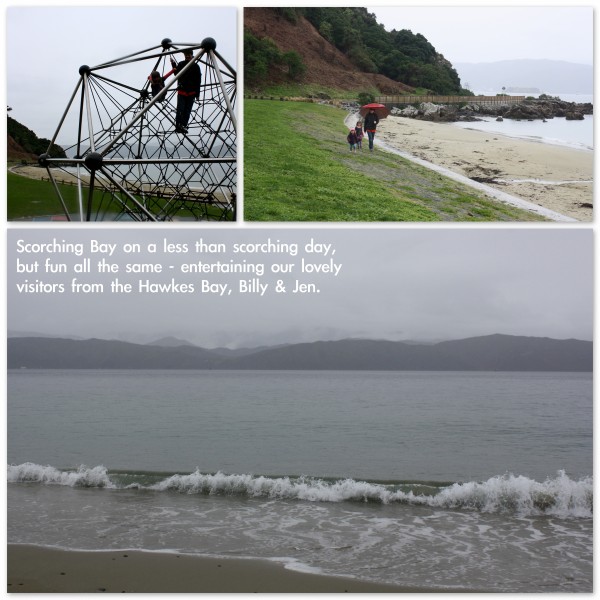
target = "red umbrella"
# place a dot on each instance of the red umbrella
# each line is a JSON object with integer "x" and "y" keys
{"x": 380, "y": 110}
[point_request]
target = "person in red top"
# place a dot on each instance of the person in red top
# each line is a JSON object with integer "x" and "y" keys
{"x": 157, "y": 83}
{"x": 188, "y": 90}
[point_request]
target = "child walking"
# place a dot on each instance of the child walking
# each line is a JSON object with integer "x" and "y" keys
{"x": 359, "y": 134}
{"x": 352, "y": 140}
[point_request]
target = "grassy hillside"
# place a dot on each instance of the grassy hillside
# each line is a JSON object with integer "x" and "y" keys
{"x": 297, "y": 167}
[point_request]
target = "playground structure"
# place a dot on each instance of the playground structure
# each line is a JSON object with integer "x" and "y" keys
{"x": 130, "y": 160}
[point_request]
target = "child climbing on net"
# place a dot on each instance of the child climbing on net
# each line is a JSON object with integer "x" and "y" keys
{"x": 157, "y": 82}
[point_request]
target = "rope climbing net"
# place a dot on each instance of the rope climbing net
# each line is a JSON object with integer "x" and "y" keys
{"x": 136, "y": 157}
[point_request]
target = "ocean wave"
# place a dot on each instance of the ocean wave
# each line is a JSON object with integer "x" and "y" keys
{"x": 561, "y": 496}
{"x": 81, "y": 477}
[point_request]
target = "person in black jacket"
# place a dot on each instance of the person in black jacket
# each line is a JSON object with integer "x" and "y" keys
{"x": 188, "y": 90}
{"x": 352, "y": 140}
{"x": 370, "y": 126}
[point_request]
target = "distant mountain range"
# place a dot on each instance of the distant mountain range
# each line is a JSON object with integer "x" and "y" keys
{"x": 486, "y": 353}
{"x": 548, "y": 76}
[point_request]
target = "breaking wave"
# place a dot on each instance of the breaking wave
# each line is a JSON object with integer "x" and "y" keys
{"x": 559, "y": 497}
{"x": 81, "y": 477}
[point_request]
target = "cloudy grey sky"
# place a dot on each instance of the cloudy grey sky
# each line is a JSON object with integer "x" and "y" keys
{"x": 477, "y": 34}
{"x": 419, "y": 284}
{"x": 47, "y": 45}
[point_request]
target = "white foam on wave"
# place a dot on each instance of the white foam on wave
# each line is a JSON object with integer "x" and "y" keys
{"x": 561, "y": 497}
{"x": 302, "y": 488}
{"x": 81, "y": 477}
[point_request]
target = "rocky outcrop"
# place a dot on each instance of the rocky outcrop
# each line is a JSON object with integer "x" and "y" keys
{"x": 531, "y": 109}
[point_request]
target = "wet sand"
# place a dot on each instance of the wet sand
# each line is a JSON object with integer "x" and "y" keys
{"x": 554, "y": 177}
{"x": 34, "y": 569}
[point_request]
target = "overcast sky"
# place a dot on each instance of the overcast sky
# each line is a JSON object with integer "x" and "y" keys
{"x": 410, "y": 284}
{"x": 46, "y": 46}
{"x": 477, "y": 34}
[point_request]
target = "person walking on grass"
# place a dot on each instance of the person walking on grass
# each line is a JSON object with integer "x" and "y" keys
{"x": 352, "y": 140}
{"x": 360, "y": 134}
{"x": 371, "y": 121}
{"x": 188, "y": 90}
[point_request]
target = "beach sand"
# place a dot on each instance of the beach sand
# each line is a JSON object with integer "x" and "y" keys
{"x": 555, "y": 177}
{"x": 33, "y": 569}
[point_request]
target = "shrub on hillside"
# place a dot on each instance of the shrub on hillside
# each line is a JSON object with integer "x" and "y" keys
{"x": 260, "y": 54}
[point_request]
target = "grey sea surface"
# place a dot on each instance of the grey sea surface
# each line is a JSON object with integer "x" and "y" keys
{"x": 444, "y": 479}
{"x": 558, "y": 131}
{"x": 578, "y": 134}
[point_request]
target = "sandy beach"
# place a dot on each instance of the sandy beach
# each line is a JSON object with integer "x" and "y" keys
{"x": 554, "y": 177}
{"x": 33, "y": 569}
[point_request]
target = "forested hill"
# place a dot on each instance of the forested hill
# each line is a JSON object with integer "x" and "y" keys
{"x": 343, "y": 48}
{"x": 24, "y": 144}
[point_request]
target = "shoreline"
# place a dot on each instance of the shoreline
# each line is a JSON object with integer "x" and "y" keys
{"x": 556, "y": 178}
{"x": 37, "y": 569}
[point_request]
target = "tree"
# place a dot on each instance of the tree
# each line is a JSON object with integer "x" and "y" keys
{"x": 296, "y": 67}
{"x": 261, "y": 54}
{"x": 365, "y": 98}
{"x": 326, "y": 31}
{"x": 258, "y": 55}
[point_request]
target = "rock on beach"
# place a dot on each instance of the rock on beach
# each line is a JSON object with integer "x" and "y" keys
{"x": 541, "y": 108}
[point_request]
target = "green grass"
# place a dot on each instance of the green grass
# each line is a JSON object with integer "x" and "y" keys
{"x": 296, "y": 90}
{"x": 29, "y": 198}
{"x": 32, "y": 198}
{"x": 297, "y": 167}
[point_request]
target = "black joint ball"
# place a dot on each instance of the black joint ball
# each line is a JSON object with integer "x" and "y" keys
{"x": 166, "y": 43}
{"x": 93, "y": 161}
{"x": 208, "y": 44}
{"x": 144, "y": 93}
{"x": 43, "y": 160}
{"x": 84, "y": 70}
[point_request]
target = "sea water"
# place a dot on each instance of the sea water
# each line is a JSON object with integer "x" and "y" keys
{"x": 557, "y": 131}
{"x": 452, "y": 480}
{"x": 577, "y": 134}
